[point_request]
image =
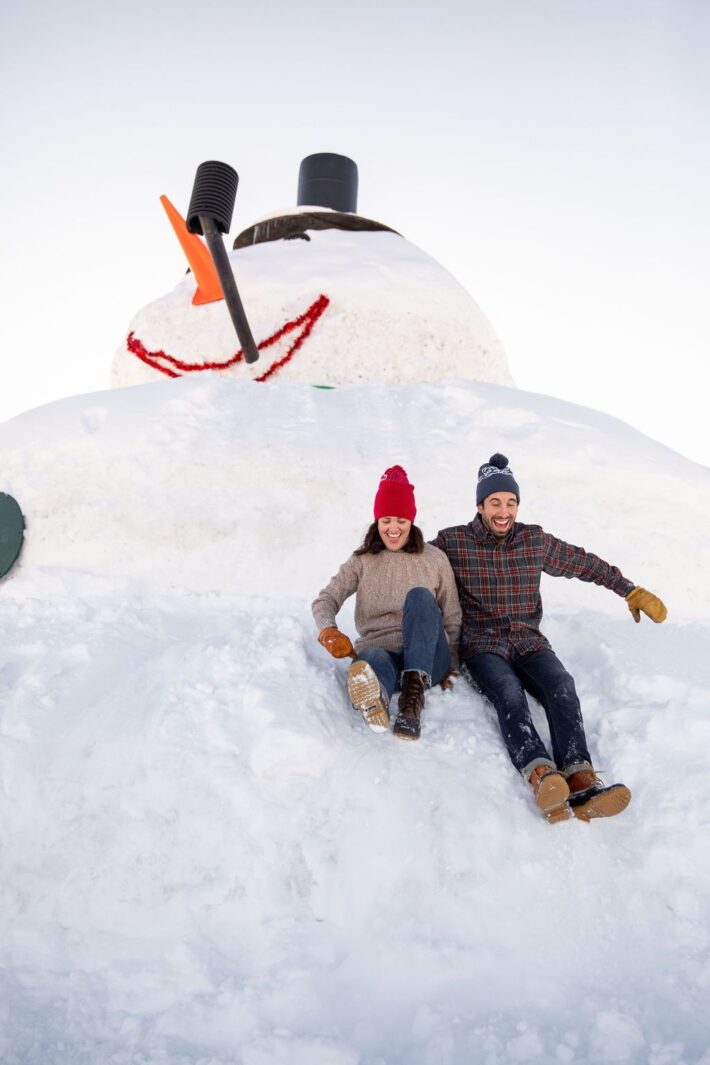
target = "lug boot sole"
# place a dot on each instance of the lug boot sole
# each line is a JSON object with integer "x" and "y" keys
{"x": 364, "y": 692}
{"x": 604, "y": 802}
{"x": 406, "y": 728}
{"x": 552, "y": 796}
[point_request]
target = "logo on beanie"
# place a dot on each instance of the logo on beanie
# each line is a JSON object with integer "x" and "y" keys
{"x": 491, "y": 471}
{"x": 395, "y": 475}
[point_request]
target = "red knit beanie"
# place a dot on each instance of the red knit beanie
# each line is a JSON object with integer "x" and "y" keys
{"x": 395, "y": 496}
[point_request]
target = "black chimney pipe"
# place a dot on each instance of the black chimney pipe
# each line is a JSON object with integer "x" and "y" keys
{"x": 328, "y": 180}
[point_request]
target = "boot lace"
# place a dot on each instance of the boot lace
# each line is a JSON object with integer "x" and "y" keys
{"x": 412, "y": 695}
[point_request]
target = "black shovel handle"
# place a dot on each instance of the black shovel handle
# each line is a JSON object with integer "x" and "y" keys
{"x": 210, "y": 213}
{"x": 232, "y": 298}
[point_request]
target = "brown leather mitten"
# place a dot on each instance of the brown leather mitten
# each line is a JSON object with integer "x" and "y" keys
{"x": 641, "y": 600}
{"x": 335, "y": 642}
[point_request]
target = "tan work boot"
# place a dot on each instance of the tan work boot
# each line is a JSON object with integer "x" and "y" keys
{"x": 590, "y": 798}
{"x": 367, "y": 696}
{"x": 551, "y": 793}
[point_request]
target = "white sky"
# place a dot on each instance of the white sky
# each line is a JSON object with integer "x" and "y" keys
{"x": 553, "y": 155}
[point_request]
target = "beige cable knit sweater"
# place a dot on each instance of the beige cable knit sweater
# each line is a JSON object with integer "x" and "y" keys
{"x": 380, "y": 583}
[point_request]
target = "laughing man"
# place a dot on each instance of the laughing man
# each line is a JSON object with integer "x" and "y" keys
{"x": 498, "y": 562}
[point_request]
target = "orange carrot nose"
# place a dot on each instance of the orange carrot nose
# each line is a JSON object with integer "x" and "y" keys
{"x": 208, "y": 287}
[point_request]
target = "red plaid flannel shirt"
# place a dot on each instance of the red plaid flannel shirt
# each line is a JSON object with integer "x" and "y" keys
{"x": 498, "y": 583}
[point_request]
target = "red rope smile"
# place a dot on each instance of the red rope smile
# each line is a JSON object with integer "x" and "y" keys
{"x": 176, "y": 367}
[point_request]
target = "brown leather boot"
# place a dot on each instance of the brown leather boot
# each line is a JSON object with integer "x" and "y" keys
{"x": 411, "y": 703}
{"x": 551, "y": 793}
{"x": 590, "y": 798}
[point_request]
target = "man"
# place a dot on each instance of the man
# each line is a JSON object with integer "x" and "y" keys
{"x": 497, "y": 562}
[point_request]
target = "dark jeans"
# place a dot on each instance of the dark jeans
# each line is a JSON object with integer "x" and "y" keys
{"x": 541, "y": 674}
{"x": 425, "y": 647}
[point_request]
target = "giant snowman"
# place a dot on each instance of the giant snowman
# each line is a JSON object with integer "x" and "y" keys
{"x": 331, "y": 297}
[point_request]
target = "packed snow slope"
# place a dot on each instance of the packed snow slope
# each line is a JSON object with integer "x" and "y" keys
{"x": 205, "y": 857}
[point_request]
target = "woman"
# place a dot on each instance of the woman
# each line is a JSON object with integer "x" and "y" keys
{"x": 407, "y": 612}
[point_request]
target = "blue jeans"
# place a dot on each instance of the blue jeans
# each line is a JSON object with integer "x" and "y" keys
{"x": 425, "y": 647}
{"x": 541, "y": 674}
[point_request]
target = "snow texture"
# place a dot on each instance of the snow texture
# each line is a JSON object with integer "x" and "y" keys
{"x": 207, "y": 858}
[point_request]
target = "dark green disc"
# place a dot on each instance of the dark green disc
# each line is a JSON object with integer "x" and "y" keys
{"x": 12, "y": 530}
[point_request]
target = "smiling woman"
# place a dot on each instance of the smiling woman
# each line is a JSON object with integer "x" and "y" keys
{"x": 394, "y": 532}
{"x": 407, "y": 612}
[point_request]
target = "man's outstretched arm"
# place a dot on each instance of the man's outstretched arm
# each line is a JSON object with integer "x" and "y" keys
{"x": 565, "y": 560}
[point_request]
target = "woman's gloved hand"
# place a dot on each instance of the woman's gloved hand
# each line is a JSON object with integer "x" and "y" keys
{"x": 641, "y": 600}
{"x": 447, "y": 682}
{"x": 335, "y": 642}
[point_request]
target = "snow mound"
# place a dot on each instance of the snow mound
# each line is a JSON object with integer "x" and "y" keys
{"x": 205, "y": 856}
{"x": 216, "y": 485}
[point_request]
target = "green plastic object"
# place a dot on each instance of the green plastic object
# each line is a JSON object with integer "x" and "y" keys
{"x": 12, "y": 531}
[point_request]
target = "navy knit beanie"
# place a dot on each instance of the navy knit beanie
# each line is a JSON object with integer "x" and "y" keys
{"x": 496, "y": 476}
